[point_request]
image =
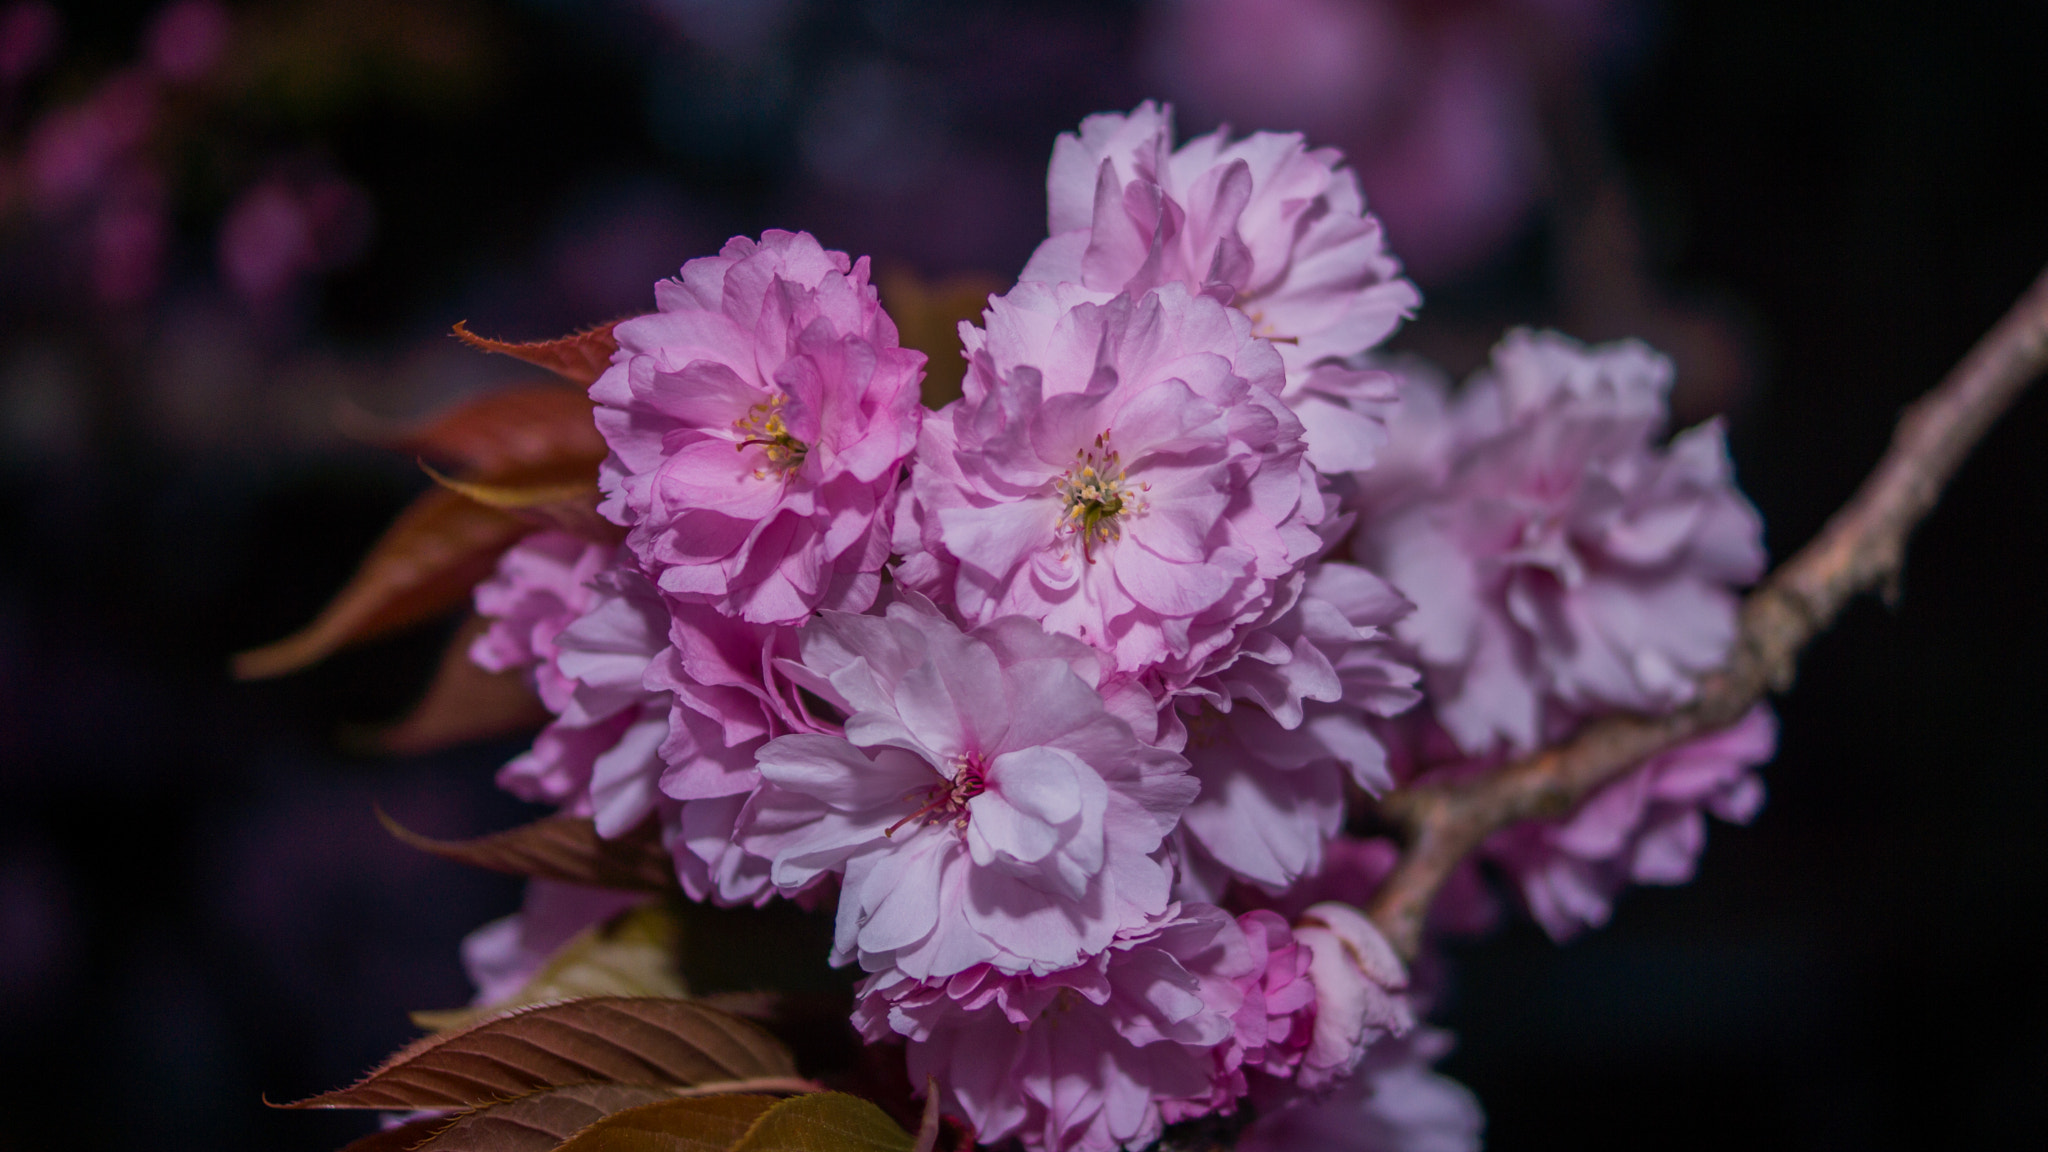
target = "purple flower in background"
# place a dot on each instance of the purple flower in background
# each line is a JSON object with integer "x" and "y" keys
{"x": 1566, "y": 564}
{"x": 29, "y": 30}
{"x": 1266, "y": 224}
{"x": 1123, "y": 472}
{"x": 186, "y": 39}
{"x": 1648, "y": 827}
{"x": 288, "y": 227}
{"x": 984, "y": 805}
{"x": 758, "y": 422}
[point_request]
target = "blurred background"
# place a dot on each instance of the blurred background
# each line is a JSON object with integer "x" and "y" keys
{"x": 228, "y": 229}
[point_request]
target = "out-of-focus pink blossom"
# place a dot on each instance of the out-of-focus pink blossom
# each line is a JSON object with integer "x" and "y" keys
{"x": 1095, "y": 1057}
{"x": 71, "y": 151}
{"x": 1122, "y": 472}
{"x": 984, "y": 805}
{"x": 542, "y": 584}
{"x": 187, "y": 38}
{"x": 1266, "y": 224}
{"x": 1566, "y": 564}
{"x": 1273, "y": 766}
{"x": 28, "y": 32}
{"x": 1394, "y": 1102}
{"x": 129, "y": 227}
{"x": 758, "y": 422}
{"x": 503, "y": 955}
{"x": 283, "y": 229}
{"x": 1646, "y": 828}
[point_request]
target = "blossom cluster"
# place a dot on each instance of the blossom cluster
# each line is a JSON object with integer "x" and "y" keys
{"x": 1061, "y": 696}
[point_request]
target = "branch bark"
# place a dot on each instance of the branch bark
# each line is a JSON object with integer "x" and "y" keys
{"x": 1861, "y": 547}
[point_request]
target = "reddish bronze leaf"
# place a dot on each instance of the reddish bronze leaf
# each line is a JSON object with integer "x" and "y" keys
{"x": 539, "y": 1122}
{"x": 403, "y": 1138}
{"x": 581, "y": 356}
{"x": 700, "y": 1124}
{"x": 824, "y": 1121}
{"x": 464, "y": 703}
{"x": 552, "y": 497}
{"x": 601, "y": 1040}
{"x": 508, "y": 430}
{"x": 565, "y": 848}
{"x": 424, "y": 564}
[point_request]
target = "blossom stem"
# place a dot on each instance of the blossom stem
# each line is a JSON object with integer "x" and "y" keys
{"x": 1861, "y": 547}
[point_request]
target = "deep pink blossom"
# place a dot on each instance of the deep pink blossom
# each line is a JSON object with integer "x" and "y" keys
{"x": 1394, "y": 1102}
{"x": 1273, "y": 734}
{"x": 1122, "y": 472}
{"x": 1098, "y": 1056}
{"x": 758, "y": 422}
{"x": 984, "y": 805}
{"x": 1646, "y": 828}
{"x": 1565, "y": 563}
{"x": 542, "y": 584}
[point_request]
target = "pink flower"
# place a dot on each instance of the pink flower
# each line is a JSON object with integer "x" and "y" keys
{"x": 984, "y": 805}
{"x": 186, "y": 38}
{"x": 541, "y": 586}
{"x": 503, "y": 955}
{"x": 758, "y": 422}
{"x": 1122, "y": 472}
{"x": 1646, "y": 828}
{"x": 1264, "y": 223}
{"x": 1394, "y": 1102}
{"x": 1102, "y": 1055}
{"x": 1359, "y": 982}
{"x": 1272, "y": 768}
{"x": 1565, "y": 564}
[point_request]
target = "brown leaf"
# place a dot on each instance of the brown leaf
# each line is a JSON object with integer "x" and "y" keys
{"x": 538, "y": 1122}
{"x": 565, "y": 848}
{"x": 633, "y": 954}
{"x": 552, "y": 497}
{"x": 506, "y": 431}
{"x": 403, "y": 1138}
{"x": 824, "y": 1122}
{"x": 928, "y": 316}
{"x": 700, "y": 1124}
{"x": 424, "y": 564}
{"x": 464, "y": 703}
{"x": 581, "y": 356}
{"x": 602, "y": 1040}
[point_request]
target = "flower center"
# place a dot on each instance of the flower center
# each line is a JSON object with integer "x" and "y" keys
{"x": 763, "y": 425}
{"x": 948, "y": 800}
{"x": 1097, "y": 495}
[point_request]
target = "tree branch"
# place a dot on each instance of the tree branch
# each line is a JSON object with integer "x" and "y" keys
{"x": 1861, "y": 547}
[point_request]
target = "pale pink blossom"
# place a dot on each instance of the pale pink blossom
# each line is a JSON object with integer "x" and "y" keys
{"x": 1648, "y": 827}
{"x": 1121, "y": 472}
{"x": 984, "y": 805}
{"x": 1566, "y": 563}
{"x": 758, "y": 422}
{"x": 1394, "y": 1102}
{"x": 1100, "y": 1056}
{"x": 1360, "y": 984}
{"x": 542, "y": 584}
{"x": 1274, "y": 734}
{"x": 1266, "y": 224}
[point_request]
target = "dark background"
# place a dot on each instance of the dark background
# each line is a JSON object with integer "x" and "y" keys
{"x": 1816, "y": 206}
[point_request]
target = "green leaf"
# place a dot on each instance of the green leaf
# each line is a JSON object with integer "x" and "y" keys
{"x": 565, "y": 848}
{"x": 699, "y": 1124}
{"x": 601, "y": 1040}
{"x": 824, "y": 1122}
{"x": 632, "y": 954}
